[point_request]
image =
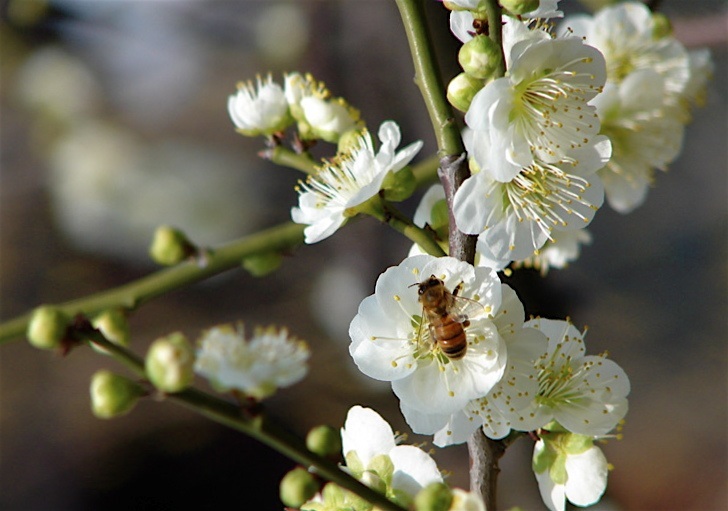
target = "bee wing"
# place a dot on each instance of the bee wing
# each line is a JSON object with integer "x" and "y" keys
{"x": 463, "y": 309}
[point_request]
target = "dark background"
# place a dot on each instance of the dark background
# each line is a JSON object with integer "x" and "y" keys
{"x": 132, "y": 131}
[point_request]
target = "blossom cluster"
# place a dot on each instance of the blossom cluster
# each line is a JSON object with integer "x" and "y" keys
{"x": 267, "y": 108}
{"x": 653, "y": 82}
{"x": 506, "y": 374}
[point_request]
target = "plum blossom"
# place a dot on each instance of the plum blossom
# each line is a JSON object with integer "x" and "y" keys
{"x": 318, "y": 114}
{"x": 366, "y": 438}
{"x": 645, "y": 136}
{"x": 626, "y": 34}
{"x": 392, "y": 342}
{"x": 502, "y": 408}
{"x": 256, "y": 367}
{"x": 539, "y": 112}
{"x": 516, "y": 218}
{"x": 562, "y": 249}
{"x": 259, "y": 111}
{"x": 569, "y": 466}
{"x": 586, "y": 394}
{"x": 327, "y": 197}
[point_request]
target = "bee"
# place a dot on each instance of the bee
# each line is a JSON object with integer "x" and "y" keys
{"x": 447, "y": 315}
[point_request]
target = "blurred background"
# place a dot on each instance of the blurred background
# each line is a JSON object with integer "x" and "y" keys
{"x": 113, "y": 121}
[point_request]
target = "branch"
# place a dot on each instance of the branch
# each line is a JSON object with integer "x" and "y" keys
{"x": 129, "y": 296}
{"x": 255, "y": 424}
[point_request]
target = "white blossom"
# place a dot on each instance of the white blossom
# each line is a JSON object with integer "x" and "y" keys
{"x": 569, "y": 467}
{"x": 625, "y": 34}
{"x": 503, "y": 407}
{"x": 392, "y": 342}
{"x": 585, "y": 394}
{"x": 366, "y": 437}
{"x": 256, "y": 367}
{"x": 516, "y": 218}
{"x": 259, "y": 111}
{"x": 318, "y": 114}
{"x": 645, "y": 135}
{"x": 349, "y": 180}
{"x": 539, "y": 111}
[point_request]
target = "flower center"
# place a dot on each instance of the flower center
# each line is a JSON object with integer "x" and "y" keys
{"x": 551, "y": 109}
{"x": 545, "y": 194}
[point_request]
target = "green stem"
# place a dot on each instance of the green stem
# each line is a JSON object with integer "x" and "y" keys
{"x": 129, "y": 296}
{"x": 288, "y": 158}
{"x": 427, "y": 77}
{"x": 495, "y": 32}
{"x": 257, "y": 425}
{"x": 390, "y": 215}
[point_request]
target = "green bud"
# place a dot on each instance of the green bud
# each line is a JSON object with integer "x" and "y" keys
{"x": 297, "y": 486}
{"x": 462, "y": 89}
{"x": 399, "y": 185}
{"x": 170, "y": 246}
{"x": 662, "y": 27}
{"x": 114, "y": 325}
{"x": 113, "y": 395}
{"x": 47, "y": 327}
{"x": 324, "y": 441}
{"x": 260, "y": 265}
{"x": 519, "y": 6}
{"x": 169, "y": 363}
{"x": 479, "y": 57}
{"x": 433, "y": 497}
{"x": 439, "y": 216}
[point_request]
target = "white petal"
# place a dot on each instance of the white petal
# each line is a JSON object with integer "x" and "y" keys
{"x": 587, "y": 477}
{"x": 413, "y": 469}
{"x": 552, "y": 494}
{"x": 367, "y": 433}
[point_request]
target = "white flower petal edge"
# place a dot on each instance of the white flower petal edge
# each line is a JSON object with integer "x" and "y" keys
{"x": 587, "y": 474}
{"x": 389, "y": 341}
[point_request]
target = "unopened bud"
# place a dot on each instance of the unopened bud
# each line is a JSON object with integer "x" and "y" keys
{"x": 113, "y": 325}
{"x": 324, "y": 441}
{"x": 297, "y": 487}
{"x": 661, "y": 26}
{"x": 399, "y": 185}
{"x": 169, "y": 363}
{"x": 462, "y": 89}
{"x": 479, "y": 57}
{"x": 519, "y": 6}
{"x": 433, "y": 497}
{"x": 170, "y": 246}
{"x": 47, "y": 327}
{"x": 113, "y": 395}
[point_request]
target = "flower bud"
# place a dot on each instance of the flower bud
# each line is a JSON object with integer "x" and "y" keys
{"x": 519, "y": 6}
{"x": 297, "y": 487}
{"x": 399, "y": 185}
{"x": 113, "y": 325}
{"x": 170, "y": 246}
{"x": 661, "y": 26}
{"x": 169, "y": 363}
{"x": 113, "y": 395}
{"x": 47, "y": 327}
{"x": 462, "y": 89}
{"x": 324, "y": 441}
{"x": 433, "y": 497}
{"x": 479, "y": 57}
{"x": 260, "y": 265}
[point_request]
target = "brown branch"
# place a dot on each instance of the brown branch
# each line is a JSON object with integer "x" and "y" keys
{"x": 452, "y": 172}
